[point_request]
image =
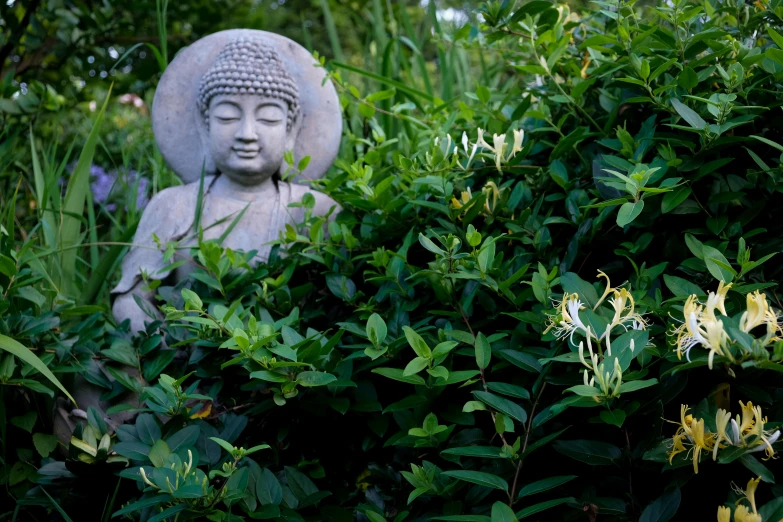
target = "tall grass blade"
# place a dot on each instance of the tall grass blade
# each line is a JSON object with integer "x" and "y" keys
{"x": 73, "y": 204}
{"x": 57, "y": 507}
{"x": 331, "y": 30}
{"x": 25, "y": 354}
{"x": 387, "y": 81}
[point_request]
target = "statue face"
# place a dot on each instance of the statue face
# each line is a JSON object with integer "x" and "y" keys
{"x": 247, "y": 136}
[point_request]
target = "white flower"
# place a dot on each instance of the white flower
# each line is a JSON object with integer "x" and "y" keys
{"x": 519, "y": 135}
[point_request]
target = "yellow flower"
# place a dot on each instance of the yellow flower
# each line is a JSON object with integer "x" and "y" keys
{"x": 724, "y": 514}
{"x": 764, "y": 439}
{"x": 702, "y": 440}
{"x": 492, "y": 193}
{"x": 721, "y": 421}
{"x": 465, "y": 197}
{"x": 741, "y": 514}
{"x": 623, "y": 305}
{"x": 717, "y": 300}
{"x": 677, "y": 446}
{"x": 608, "y": 290}
{"x": 744, "y": 426}
{"x": 701, "y": 326}
{"x": 756, "y": 313}
{"x": 691, "y": 433}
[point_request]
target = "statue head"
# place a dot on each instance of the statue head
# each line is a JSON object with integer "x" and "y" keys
{"x": 250, "y": 106}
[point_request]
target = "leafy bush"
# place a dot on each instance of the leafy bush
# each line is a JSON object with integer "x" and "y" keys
{"x": 455, "y": 344}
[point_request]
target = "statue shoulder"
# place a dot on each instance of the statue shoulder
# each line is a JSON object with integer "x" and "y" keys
{"x": 171, "y": 210}
{"x": 323, "y": 203}
{"x": 168, "y": 217}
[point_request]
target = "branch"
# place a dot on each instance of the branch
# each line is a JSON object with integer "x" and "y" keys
{"x": 5, "y": 51}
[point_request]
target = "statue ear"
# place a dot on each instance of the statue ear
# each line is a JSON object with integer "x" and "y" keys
{"x": 293, "y": 135}
{"x": 203, "y": 134}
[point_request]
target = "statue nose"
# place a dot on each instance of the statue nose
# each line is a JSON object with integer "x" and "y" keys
{"x": 247, "y": 131}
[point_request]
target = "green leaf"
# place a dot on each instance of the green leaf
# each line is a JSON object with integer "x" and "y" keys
{"x": 573, "y": 284}
{"x": 483, "y": 351}
{"x": 688, "y": 114}
{"x": 583, "y": 390}
{"x": 417, "y": 343}
{"x": 544, "y": 485}
{"x": 717, "y": 264}
{"x": 663, "y": 509}
{"x": 503, "y": 405}
{"x": 687, "y": 79}
{"x": 268, "y": 489}
{"x": 26, "y": 421}
{"x": 376, "y": 329}
{"x": 269, "y": 376}
{"x": 397, "y": 375}
{"x": 484, "y": 452}
{"x": 44, "y": 443}
{"x": 159, "y": 452}
{"x": 23, "y": 353}
{"x": 502, "y": 513}
{"x": 632, "y": 386}
{"x": 681, "y": 287}
{"x": 480, "y": 478}
{"x": 415, "y": 366}
{"x": 522, "y": 360}
{"x": 310, "y": 379}
{"x": 629, "y": 211}
{"x": 757, "y": 468}
{"x": 672, "y": 199}
{"x": 542, "y": 506}
{"x": 776, "y": 37}
{"x": 591, "y": 452}
{"x": 613, "y": 417}
{"x": 483, "y": 94}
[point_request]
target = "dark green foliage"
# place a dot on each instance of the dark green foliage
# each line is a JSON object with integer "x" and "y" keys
{"x": 405, "y": 360}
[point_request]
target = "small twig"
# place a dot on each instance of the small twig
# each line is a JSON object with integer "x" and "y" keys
{"x": 630, "y": 475}
{"x": 524, "y": 444}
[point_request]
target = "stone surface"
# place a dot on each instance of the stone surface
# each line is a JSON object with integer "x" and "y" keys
{"x": 178, "y": 124}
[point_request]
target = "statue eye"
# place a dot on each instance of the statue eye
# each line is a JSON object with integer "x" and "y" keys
{"x": 270, "y": 114}
{"x": 226, "y": 112}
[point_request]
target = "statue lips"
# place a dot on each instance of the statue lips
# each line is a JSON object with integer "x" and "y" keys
{"x": 245, "y": 153}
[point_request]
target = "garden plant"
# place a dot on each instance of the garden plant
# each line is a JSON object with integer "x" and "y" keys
{"x": 549, "y": 291}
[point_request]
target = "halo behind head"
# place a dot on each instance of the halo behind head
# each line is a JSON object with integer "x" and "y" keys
{"x": 281, "y": 68}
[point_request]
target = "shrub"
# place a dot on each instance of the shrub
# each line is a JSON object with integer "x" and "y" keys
{"x": 455, "y": 345}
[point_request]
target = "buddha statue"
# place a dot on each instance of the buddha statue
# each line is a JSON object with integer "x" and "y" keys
{"x": 225, "y": 112}
{"x": 249, "y": 114}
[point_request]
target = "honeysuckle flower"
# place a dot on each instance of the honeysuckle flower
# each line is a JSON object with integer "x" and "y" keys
{"x": 691, "y": 433}
{"x": 701, "y": 327}
{"x": 472, "y": 152}
{"x": 702, "y": 440}
{"x": 724, "y": 514}
{"x": 742, "y": 514}
{"x": 480, "y": 140}
{"x": 465, "y": 198}
{"x": 608, "y": 290}
{"x": 757, "y": 312}
{"x": 519, "y": 135}
{"x": 722, "y": 419}
{"x": 492, "y": 192}
{"x": 593, "y": 356}
{"x": 499, "y": 140}
{"x": 764, "y": 439}
{"x": 623, "y": 304}
{"x": 569, "y": 323}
